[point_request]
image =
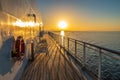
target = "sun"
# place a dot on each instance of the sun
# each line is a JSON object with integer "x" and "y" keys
{"x": 62, "y": 24}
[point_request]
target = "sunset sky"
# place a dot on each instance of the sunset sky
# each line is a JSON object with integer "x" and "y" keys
{"x": 81, "y": 15}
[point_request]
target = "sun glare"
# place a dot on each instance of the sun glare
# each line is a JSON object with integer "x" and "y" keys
{"x": 62, "y": 24}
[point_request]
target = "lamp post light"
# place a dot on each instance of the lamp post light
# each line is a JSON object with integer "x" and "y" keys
{"x": 32, "y": 42}
{"x": 33, "y": 15}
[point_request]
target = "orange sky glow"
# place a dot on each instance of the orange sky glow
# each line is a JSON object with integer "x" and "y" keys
{"x": 81, "y": 16}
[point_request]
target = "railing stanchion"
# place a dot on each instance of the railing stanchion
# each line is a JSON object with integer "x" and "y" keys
{"x": 60, "y": 40}
{"x": 75, "y": 48}
{"x": 32, "y": 50}
{"x": 99, "y": 65}
{"x": 84, "y": 54}
{"x": 63, "y": 41}
{"x": 68, "y": 44}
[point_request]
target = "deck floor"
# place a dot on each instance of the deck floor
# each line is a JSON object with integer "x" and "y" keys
{"x": 53, "y": 65}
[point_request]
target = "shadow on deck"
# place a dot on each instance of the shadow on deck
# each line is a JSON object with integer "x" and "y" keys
{"x": 52, "y": 65}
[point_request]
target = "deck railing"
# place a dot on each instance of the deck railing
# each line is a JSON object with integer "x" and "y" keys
{"x": 100, "y": 62}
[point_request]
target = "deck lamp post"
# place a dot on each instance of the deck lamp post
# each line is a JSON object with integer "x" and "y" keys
{"x": 32, "y": 42}
{"x": 34, "y": 16}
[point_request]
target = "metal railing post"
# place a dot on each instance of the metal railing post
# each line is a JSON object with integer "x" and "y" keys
{"x": 63, "y": 41}
{"x": 75, "y": 48}
{"x": 99, "y": 66}
{"x": 32, "y": 50}
{"x": 84, "y": 54}
{"x": 68, "y": 44}
{"x": 60, "y": 40}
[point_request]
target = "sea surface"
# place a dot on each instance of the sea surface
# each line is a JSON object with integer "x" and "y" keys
{"x": 111, "y": 40}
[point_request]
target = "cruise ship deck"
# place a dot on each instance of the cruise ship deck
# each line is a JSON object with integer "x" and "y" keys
{"x": 49, "y": 55}
{"x": 52, "y": 64}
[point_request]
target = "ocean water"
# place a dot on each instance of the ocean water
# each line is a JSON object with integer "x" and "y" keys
{"x": 111, "y": 40}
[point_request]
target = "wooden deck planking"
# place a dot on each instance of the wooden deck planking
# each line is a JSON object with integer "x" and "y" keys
{"x": 51, "y": 66}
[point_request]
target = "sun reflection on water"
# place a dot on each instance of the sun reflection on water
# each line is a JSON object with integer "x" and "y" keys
{"x": 62, "y": 33}
{"x": 62, "y": 37}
